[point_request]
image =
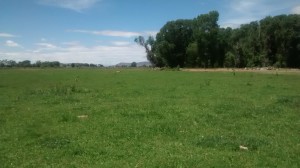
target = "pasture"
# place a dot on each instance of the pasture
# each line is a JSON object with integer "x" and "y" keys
{"x": 146, "y": 118}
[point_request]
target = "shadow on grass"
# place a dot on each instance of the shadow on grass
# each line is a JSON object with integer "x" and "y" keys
{"x": 56, "y": 142}
{"x": 293, "y": 101}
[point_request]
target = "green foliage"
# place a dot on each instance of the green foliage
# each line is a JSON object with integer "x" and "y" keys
{"x": 8, "y": 63}
{"x": 199, "y": 42}
{"x": 229, "y": 60}
{"x": 281, "y": 36}
{"x": 148, "y": 118}
{"x": 192, "y": 56}
{"x": 25, "y": 63}
{"x": 172, "y": 41}
{"x": 46, "y": 64}
{"x": 133, "y": 64}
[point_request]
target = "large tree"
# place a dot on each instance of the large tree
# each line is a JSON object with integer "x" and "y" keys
{"x": 172, "y": 41}
{"x": 148, "y": 45}
{"x": 206, "y": 31}
{"x": 200, "y": 42}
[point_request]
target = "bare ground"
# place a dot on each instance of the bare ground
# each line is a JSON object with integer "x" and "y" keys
{"x": 258, "y": 70}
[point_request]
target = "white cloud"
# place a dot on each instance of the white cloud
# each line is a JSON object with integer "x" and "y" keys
{"x": 6, "y": 35}
{"x": 10, "y": 43}
{"x": 150, "y": 33}
{"x": 231, "y": 24}
{"x": 46, "y": 45}
{"x": 244, "y": 6}
{"x": 118, "y": 33}
{"x": 296, "y": 10}
{"x": 99, "y": 54}
{"x": 236, "y": 23}
{"x": 243, "y": 11}
{"x": 120, "y": 43}
{"x": 239, "y": 12}
{"x": 76, "y": 5}
{"x": 112, "y": 33}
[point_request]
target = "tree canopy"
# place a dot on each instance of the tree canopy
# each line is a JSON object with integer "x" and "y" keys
{"x": 200, "y": 42}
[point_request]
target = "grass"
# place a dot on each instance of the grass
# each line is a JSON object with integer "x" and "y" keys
{"x": 144, "y": 118}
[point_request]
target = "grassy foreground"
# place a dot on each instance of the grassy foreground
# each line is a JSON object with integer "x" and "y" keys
{"x": 144, "y": 118}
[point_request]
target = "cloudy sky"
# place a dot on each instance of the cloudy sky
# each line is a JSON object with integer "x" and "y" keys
{"x": 103, "y": 31}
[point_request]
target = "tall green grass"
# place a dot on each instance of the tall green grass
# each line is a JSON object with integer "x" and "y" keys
{"x": 145, "y": 118}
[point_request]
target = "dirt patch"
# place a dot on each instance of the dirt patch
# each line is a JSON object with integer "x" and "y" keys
{"x": 259, "y": 70}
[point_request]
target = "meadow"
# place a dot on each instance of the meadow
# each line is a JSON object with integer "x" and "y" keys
{"x": 147, "y": 118}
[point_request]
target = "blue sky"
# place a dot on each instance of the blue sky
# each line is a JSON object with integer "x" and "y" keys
{"x": 103, "y": 31}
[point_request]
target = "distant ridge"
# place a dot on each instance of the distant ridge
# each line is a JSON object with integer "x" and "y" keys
{"x": 138, "y": 64}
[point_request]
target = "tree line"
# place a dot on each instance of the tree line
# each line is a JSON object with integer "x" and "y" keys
{"x": 200, "y": 42}
{"x": 52, "y": 64}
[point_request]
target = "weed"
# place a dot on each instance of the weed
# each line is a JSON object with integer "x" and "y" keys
{"x": 249, "y": 83}
{"x": 54, "y": 142}
{"x": 68, "y": 117}
{"x": 207, "y": 82}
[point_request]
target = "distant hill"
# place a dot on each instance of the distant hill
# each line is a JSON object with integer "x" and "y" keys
{"x": 123, "y": 64}
{"x": 139, "y": 64}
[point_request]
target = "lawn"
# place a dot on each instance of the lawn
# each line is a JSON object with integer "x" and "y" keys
{"x": 147, "y": 118}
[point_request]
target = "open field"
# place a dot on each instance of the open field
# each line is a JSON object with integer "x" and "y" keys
{"x": 145, "y": 118}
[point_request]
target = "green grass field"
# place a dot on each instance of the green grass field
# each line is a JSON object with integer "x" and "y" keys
{"x": 146, "y": 118}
